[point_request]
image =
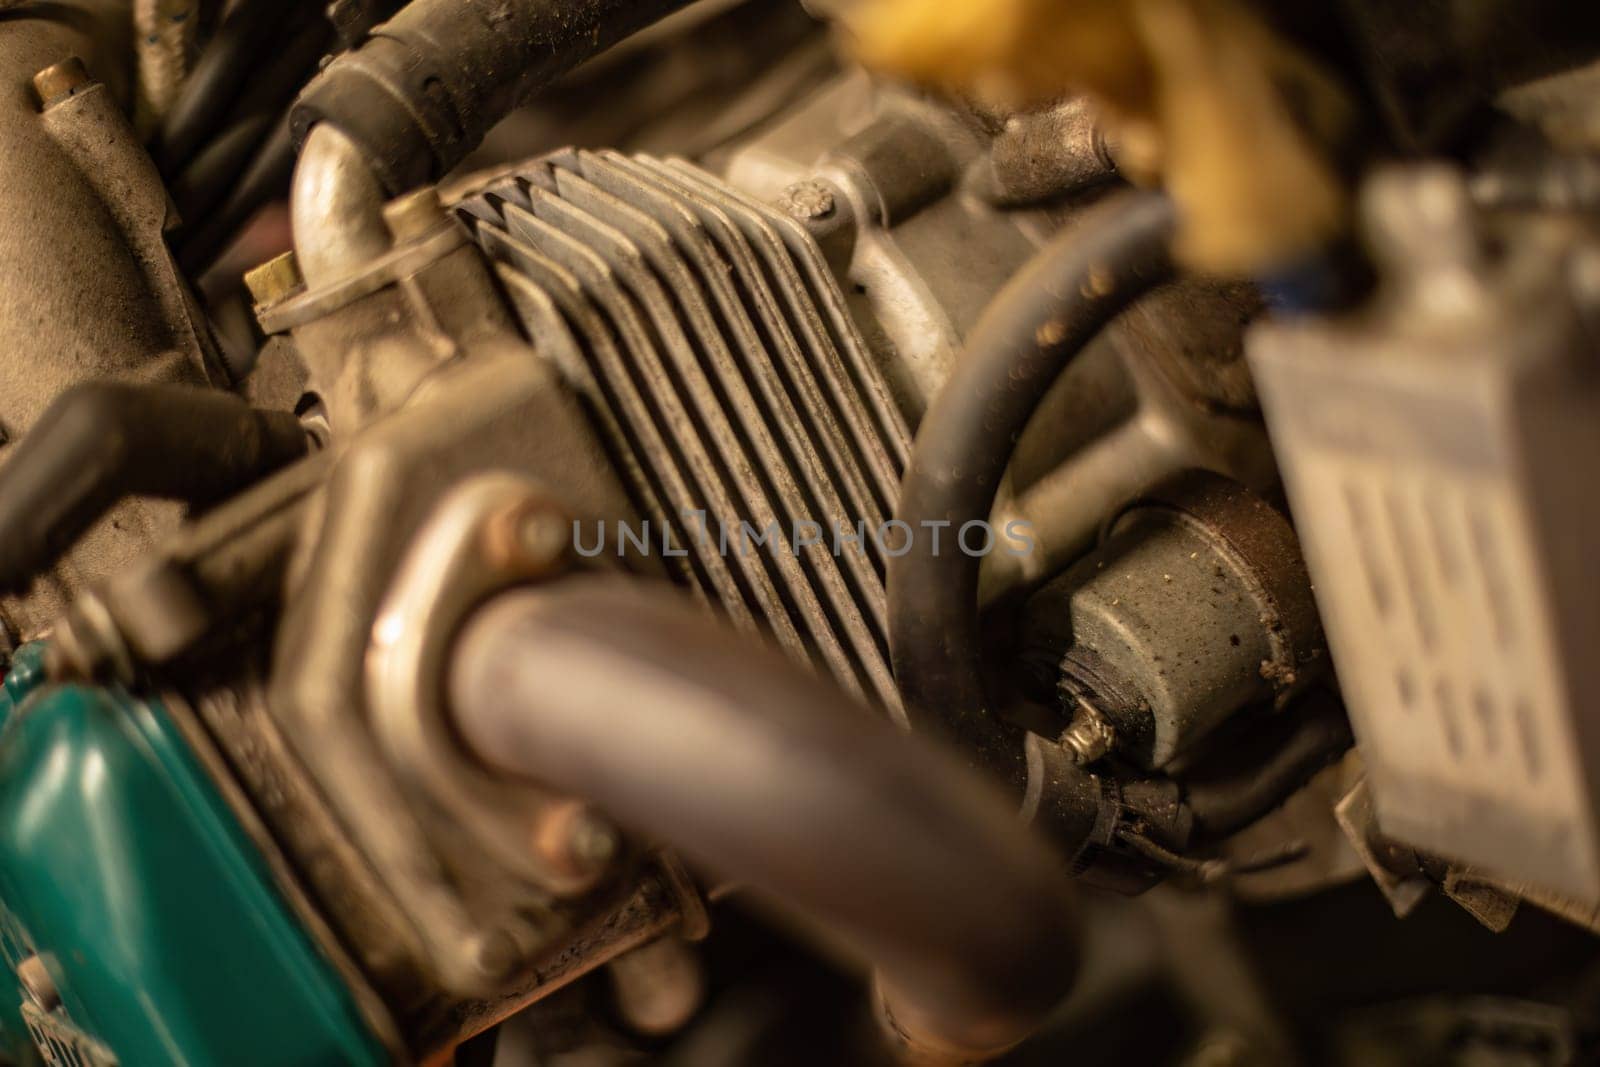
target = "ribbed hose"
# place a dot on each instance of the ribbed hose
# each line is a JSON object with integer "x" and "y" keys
{"x": 760, "y": 772}
{"x": 412, "y": 101}
{"x": 429, "y": 83}
{"x": 1040, "y": 321}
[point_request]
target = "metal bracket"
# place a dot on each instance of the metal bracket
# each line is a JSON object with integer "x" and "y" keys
{"x": 308, "y": 305}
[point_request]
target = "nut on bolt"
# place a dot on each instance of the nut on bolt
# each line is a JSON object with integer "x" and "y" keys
{"x": 60, "y": 80}
{"x": 809, "y": 201}
{"x": 86, "y": 644}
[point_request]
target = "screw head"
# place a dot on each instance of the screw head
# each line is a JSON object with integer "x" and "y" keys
{"x": 543, "y": 535}
{"x": 593, "y": 841}
{"x": 1090, "y": 736}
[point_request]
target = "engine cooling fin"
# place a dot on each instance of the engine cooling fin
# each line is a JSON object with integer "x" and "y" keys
{"x": 742, "y": 407}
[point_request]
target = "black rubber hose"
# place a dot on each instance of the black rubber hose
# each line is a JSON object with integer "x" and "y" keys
{"x": 243, "y": 44}
{"x": 265, "y": 178}
{"x": 762, "y": 773}
{"x": 100, "y": 442}
{"x": 430, "y": 82}
{"x": 207, "y": 180}
{"x": 1268, "y": 764}
{"x": 211, "y": 174}
{"x": 1039, "y": 322}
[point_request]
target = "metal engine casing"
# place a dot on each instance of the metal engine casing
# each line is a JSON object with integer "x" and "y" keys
{"x": 82, "y": 235}
{"x": 708, "y": 429}
{"x": 611, "y": 267}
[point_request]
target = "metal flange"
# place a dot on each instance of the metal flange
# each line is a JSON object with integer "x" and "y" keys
{"x": 494, "y": 531}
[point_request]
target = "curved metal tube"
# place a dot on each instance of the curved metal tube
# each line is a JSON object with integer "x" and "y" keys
{"x": 1039, "y": 322}
{"x": 336, "y": 208}
{"x": 760, "y": 772}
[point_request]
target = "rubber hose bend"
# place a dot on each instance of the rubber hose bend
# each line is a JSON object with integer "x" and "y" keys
{"x": 1029, "y": 334}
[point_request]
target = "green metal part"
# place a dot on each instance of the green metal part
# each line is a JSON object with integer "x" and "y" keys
{"x": 23, "y": 675}
{"x": 123, "y": 869}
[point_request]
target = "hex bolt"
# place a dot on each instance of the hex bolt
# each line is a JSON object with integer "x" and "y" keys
{"x": 809, "y": 200}
{"x": 87, "y": 645}
{"x": 273, "y": 280}
{"x": 413, "y": 214}
{"x": 58, "y": 81}
{"x": 37, "y": 984}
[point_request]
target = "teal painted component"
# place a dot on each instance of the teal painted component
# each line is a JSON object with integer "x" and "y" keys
{"x": 24, "y": 674}
{"x": 123, "y": 868}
